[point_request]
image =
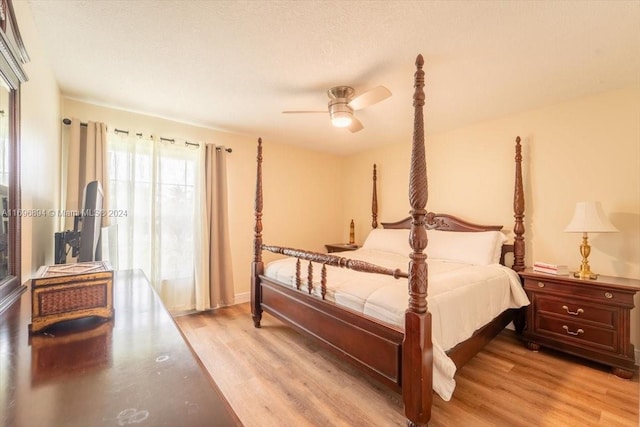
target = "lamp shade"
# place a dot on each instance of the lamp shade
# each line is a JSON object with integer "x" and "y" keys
{"x": 590, "y": 218}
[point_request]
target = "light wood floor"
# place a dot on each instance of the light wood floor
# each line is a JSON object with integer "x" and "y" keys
{"x": 274, "y": 376}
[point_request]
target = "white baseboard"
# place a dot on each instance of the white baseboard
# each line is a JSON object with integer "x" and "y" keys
{"x": 246, "y": 297}
{"x": 238, "y": 299}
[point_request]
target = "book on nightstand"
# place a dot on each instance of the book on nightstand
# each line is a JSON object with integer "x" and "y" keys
{"x": 544, "y": 267}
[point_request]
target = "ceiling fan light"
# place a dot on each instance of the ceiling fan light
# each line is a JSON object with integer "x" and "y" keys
{"x": 341, "y": 113}
{"x": 341, "y": 119}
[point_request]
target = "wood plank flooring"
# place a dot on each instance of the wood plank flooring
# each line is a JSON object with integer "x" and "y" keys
{"x": 274, "y": 376}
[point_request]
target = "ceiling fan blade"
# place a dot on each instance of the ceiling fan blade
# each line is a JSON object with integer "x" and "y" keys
{"x": 355, "y": 126}
{"x": 370, "y": 97}
{"x": 304, "y": 112}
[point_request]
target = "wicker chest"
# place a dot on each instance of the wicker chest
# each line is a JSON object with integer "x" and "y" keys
{"x": 71, "y": 291}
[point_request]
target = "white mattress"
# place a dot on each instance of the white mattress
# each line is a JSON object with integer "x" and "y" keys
{"x": 461, "y": 298}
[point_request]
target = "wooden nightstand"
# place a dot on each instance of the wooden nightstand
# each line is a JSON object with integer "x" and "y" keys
{"x": 586, "y": 318}
{"x": 340, "y": 247}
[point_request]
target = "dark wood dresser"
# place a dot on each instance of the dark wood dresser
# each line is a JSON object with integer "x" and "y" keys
{"x": 135, "y": 369}
{"x": 586, "y": 318}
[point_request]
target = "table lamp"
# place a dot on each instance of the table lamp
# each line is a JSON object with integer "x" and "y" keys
{"x": 588, "y": 218}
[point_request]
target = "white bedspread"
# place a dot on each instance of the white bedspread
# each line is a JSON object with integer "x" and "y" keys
{"x": 461, "y": 298}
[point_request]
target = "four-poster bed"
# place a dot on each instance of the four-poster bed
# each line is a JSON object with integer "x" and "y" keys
{"x": 399, "y": 355}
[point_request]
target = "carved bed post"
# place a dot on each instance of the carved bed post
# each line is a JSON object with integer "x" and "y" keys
{"x": 520, "y": 318}
{"x": 417, "y": 356}
{"x": 257, "y": 266}
{"x": 374, "y": 201}
{"x": 518, "y": 212}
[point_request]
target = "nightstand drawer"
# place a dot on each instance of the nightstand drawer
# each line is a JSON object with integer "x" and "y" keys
{"x": 577, "y": 332}
{"x": 586, "y": 290}
{"x": 576, "y": 310}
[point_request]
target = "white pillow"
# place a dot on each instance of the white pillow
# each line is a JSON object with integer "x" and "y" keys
{"x": 388, "y": 240}
{"x": 474, "y": 247}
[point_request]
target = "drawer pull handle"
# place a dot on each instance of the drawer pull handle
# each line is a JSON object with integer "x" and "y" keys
{"x": 540, "y": 285}
{"x": 573, "y": 313}
{"x": 608, "y": 295}
{"x": 578, "y": 332}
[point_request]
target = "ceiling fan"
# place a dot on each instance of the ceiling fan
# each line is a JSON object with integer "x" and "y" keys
{"x": 342, "y": 104}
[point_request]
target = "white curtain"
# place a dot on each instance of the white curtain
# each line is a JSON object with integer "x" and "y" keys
{"x": 159, "y": 189}
{"x": 214, "y": 278}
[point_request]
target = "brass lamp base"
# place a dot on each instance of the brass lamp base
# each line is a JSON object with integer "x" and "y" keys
{"x": 585, "y": 274}
{"x": 585, "y": 271}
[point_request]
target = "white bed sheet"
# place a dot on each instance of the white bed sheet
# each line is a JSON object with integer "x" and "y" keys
{"x": 461, "y": 298}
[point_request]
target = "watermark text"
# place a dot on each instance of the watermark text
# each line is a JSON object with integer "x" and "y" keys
{"x": 62, "y": 213}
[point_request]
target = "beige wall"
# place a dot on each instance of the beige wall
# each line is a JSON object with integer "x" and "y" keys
{"x": 302, "y": 196}
{"x": 40, "y": 145}
{"x": 585, "y": 149}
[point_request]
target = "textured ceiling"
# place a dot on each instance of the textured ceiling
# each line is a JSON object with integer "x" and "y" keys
{"x": 235, "y": 65}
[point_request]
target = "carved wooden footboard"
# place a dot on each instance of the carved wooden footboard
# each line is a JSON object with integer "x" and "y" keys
{"x": 400, "y": 359}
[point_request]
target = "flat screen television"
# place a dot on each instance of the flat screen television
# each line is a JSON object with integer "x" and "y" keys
{"x": 91, "y": 223}
{"x": 85, "y": 237}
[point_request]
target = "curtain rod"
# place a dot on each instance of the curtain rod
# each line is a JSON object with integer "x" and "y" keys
{"x": 67, "y": 122}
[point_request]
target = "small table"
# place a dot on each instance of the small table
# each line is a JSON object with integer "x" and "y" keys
{"x": 340, "y": 247}
{"x": 134, "y": 368}
{"x": 586, "y": 318}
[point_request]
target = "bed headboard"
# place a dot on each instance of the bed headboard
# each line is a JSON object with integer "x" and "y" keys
{"x": 443, "y": 222}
